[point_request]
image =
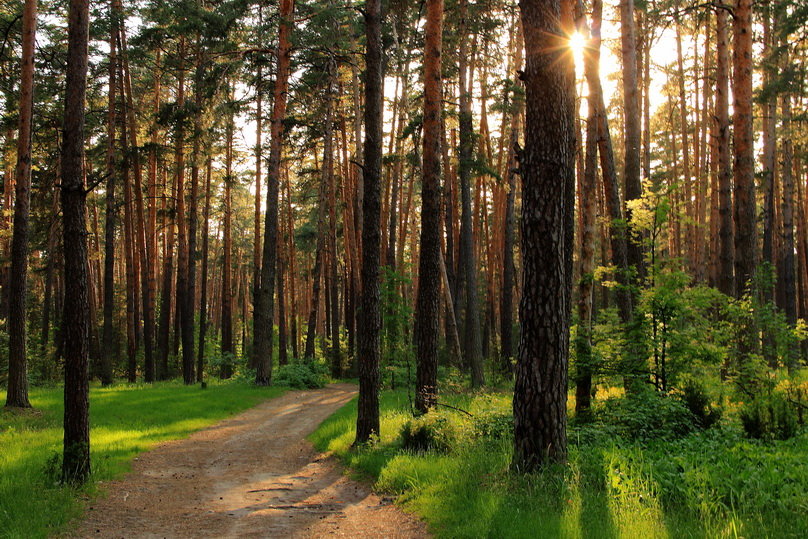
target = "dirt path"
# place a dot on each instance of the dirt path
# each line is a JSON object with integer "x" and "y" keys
{"x": 253, "y": 475}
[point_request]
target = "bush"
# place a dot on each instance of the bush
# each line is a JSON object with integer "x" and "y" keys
{"x": 429, "y": 432}
{"x": 770, "y": 417}
{"x": 493, "y": 425}
{"x": 301, "y": 375}
{"x": 696, "y": 400}
{"x": 647, "y": 415}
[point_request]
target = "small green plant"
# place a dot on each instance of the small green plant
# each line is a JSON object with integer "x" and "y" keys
{"x": 769, "y": 417}
{"x": 698, "y": 402}
{"x": 493, "y": 424}
{"x": 648, "y": 415}
{"x": 430, "y": 432}
{"x": 302, "y": 375}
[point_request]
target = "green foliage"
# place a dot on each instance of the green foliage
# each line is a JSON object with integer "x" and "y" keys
{"x": 695, "y": 398}
{"x": 434, "y": 431}
{"x": 707, "y": 483}
{"x": 769, "y": 417}
{"x": 302, "y": 375}
{"x": 648, "y": 415}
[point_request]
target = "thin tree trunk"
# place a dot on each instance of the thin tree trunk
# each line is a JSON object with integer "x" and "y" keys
{"x": 17, "y": 395}
{"x": 726, "y": 255}
{"x": 203, "y": 302}
{"x": 262, "y": 311}
{"x": 107, "y": 348}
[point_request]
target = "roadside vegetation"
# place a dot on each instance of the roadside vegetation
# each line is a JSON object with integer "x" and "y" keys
{"x": 657, "y": 465}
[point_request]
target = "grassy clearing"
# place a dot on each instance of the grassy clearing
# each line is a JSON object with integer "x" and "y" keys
{"x": 126, "y": 420}
{"x": 707, "y": 484}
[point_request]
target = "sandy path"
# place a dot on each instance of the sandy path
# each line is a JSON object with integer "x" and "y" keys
{"x": 253, "y": 475}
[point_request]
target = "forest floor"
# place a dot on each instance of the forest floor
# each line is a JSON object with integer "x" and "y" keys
{"x": 253, "y": 475}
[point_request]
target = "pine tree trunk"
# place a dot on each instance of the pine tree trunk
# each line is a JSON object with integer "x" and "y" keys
{"x": 631, "y": 112}
{"x": 428, "y": 296}
{"x": 108, "y": 345}
{"x": 203, "y": 301}
{"x": 17, "y": 395}
{"x": 262, "y": 311}
{"x": 369, "y": 324}
{"x": 76, "y": 318}
{"x": 226, "y": 370}
{"x": 726, "y": 232}
{"x": 472, "y": 344}
{"x": 743, "y": 138}
{"x": 547, "y": 166}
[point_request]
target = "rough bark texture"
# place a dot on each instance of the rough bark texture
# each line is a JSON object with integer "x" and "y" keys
{"x": 262, "y": 313}
{"x": 726, "y": 232}
{"x": 76, "y": 318}
{"x": 428, "y": 296}
{"x": 369, "y": 327}
{"x": 743, "y": 137}
{"x": 17, "y": 361}
{"x": 547, "y": 168}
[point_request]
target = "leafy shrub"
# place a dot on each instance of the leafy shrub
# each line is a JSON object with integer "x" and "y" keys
{"x": 430, "y": 432}
{"x": 300, "y": 375}
{"x": 647, "y": 415}
{"x": 770, "y": 417}
{"x": 696, "y": 400}
{"x": 493, "y": 424}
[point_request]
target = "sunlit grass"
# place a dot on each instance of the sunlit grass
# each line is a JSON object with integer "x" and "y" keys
{"x": 126, "y": 420}
{"x": 613, "y": 489}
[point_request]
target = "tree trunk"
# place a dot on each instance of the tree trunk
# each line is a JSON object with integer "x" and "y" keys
{"x": 472, "y": 344}
{"x": 76, "y": 318}
{"x": 631, "y": 113}
{"x": 369, "y": 327}
{"x": 203, "y": 301}
{"x": 743, "y": 136}
{"x": 726, "y": 232}
{"x": 17, "y": 395}
{"x": 226, "y": 370}
{"x": 428, "y": 296}
{"x": 108, "y": 345}
{"x": 547, "y": 166}
{"x": 262, "y": 311}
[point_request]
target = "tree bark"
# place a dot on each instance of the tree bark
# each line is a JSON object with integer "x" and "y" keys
{"x": 547, "y": 169}
{"x": 262, "y": 311}
{"x": 726, "y": 231}
{"x": 108, "y": 345}
{"x": 17, "y": 395}
{"x": 468, "y": 267}
{"x": 76, "y": 318}
{"x": 369, "y": 327}
{"x": 631, "y": 112}
{"x": 428, "y": 296}
{"x": 743, "y": 137}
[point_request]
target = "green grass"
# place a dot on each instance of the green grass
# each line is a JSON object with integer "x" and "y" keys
{"x": 126, "y": 420}
{"x": 707, "y": 484}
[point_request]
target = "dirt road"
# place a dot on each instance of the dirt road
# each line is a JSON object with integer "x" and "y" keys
{"x": 253, "y": 475}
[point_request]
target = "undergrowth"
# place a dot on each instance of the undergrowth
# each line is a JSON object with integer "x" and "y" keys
{"x": 688, "y": 482}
